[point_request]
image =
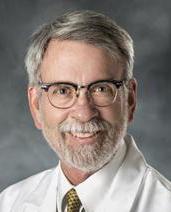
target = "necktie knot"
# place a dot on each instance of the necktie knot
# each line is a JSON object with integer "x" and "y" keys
{"x": 73, "y": 201}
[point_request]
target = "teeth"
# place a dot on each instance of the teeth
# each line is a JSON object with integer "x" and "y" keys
{"x": 83, "y": 135}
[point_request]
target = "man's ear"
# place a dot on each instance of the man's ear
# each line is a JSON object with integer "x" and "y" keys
{"x": 33, "y": 99}
{"x": 132, "y": 98}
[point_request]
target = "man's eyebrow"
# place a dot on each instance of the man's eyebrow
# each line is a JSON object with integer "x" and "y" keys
{"x": 74, "y": 83}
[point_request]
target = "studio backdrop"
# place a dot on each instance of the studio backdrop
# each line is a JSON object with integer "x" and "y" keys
{"x": 23, "y": 150}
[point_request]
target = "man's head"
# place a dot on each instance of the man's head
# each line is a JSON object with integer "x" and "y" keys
{"x": 84, "y": 111}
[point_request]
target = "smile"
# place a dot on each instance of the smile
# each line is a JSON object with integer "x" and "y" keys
{"x": 84, "y": 135}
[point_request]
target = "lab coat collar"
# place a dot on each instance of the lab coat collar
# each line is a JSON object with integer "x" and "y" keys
{"x": 124, "y": 188}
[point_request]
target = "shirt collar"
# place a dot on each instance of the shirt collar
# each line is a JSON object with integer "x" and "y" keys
{"x": 97, "y": 185}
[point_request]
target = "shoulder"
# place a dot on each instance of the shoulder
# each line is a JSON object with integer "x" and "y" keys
{"x": 157, "y": 179}
{"x": 153, "y": 187}
{"x": 25, "y": 188}
{"x": 150, "y": 174}
{"x": 31, "y": 182}
{"x": 154, "y": 192}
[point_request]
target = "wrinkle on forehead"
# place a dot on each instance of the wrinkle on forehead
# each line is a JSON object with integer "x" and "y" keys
{"x": 77, "y": 62}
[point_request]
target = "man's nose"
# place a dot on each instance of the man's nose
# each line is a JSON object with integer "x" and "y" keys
{"x": 84, "y": 109}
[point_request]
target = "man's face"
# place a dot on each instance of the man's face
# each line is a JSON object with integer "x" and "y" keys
{"x": 80, "y": 63}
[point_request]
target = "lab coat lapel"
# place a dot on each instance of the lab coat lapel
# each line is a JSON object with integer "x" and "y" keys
{"x": 124, "y": 188}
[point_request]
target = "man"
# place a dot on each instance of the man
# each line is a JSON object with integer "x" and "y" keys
{"x": 82, "y": 95}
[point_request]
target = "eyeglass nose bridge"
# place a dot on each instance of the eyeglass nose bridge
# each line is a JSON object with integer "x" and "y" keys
{"x": 79, "y": 87}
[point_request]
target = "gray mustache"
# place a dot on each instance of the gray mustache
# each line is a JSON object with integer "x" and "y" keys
{"x": 91, "y": 126}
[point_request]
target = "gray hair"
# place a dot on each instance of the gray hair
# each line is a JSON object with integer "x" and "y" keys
{"x": 86, "y": 26}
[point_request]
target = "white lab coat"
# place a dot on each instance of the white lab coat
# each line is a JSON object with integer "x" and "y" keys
{"x": 137, "y": 187}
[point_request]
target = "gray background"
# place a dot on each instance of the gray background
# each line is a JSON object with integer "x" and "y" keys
{"x": 23, "y": 150}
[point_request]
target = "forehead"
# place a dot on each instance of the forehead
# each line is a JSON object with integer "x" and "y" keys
{"x": 78, "y": 62}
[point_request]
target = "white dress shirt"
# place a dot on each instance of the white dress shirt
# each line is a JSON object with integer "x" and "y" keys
{"x": 96, "y": 186}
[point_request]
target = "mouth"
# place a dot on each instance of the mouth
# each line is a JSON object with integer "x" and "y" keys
{"x": 84, "y": 135}
{"x": 84, "y": 138}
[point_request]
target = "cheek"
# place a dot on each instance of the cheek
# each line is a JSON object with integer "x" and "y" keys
{"x": 51, "y": 116}
{"x": 114, "y": 113}
{"x": 111, "y": 114}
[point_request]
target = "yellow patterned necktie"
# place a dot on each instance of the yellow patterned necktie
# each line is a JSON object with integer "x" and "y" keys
{"x": 73, "y": 201}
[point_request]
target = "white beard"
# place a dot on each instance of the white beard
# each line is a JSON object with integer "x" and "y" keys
{"x": 88, "y": 157}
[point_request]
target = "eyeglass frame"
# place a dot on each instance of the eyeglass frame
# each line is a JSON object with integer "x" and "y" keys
{"x": 78, "y": 87}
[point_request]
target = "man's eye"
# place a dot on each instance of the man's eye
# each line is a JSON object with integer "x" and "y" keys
{"x": 101, "y": 89}
{"x": 62, "y": 91}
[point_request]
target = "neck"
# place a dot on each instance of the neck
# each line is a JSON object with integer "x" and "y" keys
{"x": 74, "y": 175}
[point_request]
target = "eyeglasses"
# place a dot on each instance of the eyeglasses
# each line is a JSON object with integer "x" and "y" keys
{"x": 64, "y": 94}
